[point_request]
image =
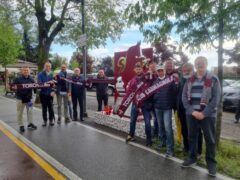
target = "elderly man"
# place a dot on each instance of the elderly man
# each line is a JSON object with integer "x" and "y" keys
{"x": 77, "y": 92}
{"x": 46, "y": 94}
{"x": 62, "y": 93}
{"x": 201, "y": 95}
{"x": 24, "y": 99}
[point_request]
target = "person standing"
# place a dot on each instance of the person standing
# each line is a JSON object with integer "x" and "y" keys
{"x": 24, "y": 99}
{"x": 77, "y": 91}
{"x": 187, "y": 72}
{"x": 134, "y": 109}
{"x": 101, "y": 90}
{"x": 152, "y": 76}
{"x": 163, "y": 107}
{"x": 237, "y": 115}
{"x": 46, "y": 95}
{"x": 63, "y": 93}
{"x": 201, "y": 95}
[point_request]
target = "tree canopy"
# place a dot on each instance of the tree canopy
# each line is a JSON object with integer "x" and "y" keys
{"x": 9, "y": 44}
{"x": 195, "y": 22}
{"x": 61, "y": 21}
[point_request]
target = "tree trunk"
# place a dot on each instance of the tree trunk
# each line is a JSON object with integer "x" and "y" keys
{"x": 43, "y": 54}
{"x": 220, "y": 71}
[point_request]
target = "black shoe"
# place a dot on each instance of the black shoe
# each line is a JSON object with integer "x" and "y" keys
{"x": 212, "y": 171}
{"x": 51, "y": 123}
{"x": 22, "y": 129}
{"x": 59, "y": 121}
{"x": 130, "y": 138}
{"x": 32, "y": 126}
{"x": 169, "y": 155}
{"x": 44, "y": 124}
{"x": 149, "y": 143}
{"x": 188, "y": 163}
{"x": 67, "y": 120}
{"x": 236, "y": 121}
{"x": 81, "y": 119}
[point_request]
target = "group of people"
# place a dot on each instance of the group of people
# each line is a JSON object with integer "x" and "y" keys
{"x": 66, "y": 87}
{"x": 194, "y": 95}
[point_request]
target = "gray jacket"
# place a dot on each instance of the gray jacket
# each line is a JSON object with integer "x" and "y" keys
{"x": 210, "y": 109}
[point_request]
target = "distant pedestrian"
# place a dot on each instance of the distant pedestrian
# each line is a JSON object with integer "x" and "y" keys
{"x": 237, "y": 116}
{"x": 77, "y": 92}
{"x": 46, "y": 95}
{"x": 163, "y": 107}
{"x": 24, "y": 99}
{"x": 63, "y": 93}
{"x": 101, "y": 90}
{"x": 201, "y": 95}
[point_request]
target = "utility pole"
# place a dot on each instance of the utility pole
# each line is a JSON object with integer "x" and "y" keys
{"x": 83, "y": 44}
{"x": 84, "y": 60}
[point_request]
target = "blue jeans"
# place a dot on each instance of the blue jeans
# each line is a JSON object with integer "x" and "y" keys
{"x": 164, "y": 118}
{"x": 155, "y": 129}
{"x": 133, "y": 120}
{"x": 147, "y": 120}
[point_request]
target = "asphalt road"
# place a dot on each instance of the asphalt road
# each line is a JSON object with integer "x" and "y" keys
{"x": 93, "y": 154}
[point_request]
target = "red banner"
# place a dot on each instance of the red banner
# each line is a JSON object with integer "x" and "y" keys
{"x": 149, "y": 91}
{"x": 128, "y": 99}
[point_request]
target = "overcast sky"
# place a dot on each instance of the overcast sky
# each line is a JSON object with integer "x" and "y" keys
{"x": 130, "y": 37}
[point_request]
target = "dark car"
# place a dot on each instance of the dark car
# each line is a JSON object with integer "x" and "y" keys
{"x": 231, "y": 95}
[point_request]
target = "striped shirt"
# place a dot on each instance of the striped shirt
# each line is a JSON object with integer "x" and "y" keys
{"x": 196, "y": 93}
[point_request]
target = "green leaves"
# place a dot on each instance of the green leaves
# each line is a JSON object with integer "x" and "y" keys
{"x": 9, "y": 44}
{"x": 195, "y": 21}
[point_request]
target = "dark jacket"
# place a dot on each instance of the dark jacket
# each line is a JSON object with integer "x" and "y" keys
{"x": 24, "y": 94}
{"x": 101, "y": 88}
{"x": 163, "y": 98}
{"x": 43, "y": 78}
{"x": 62, "y": 85}
{"x": 180, "y": 91}
{"x": 149, "y": 79}
{"x": 77, "y": 89}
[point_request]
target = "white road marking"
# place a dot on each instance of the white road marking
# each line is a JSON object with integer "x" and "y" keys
{"x": 179, "y": 161}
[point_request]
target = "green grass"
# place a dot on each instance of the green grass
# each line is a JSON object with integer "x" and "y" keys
{"x": 227, "y": 156}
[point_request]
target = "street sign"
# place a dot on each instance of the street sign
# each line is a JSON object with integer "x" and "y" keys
{"x": 82, "y": 40}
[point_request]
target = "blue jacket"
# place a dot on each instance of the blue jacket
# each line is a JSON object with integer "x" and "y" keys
{"x": 43, "y": 78}
{"x": 24, "y": 93}
{"x": 163, "y": 98}
{"x": 77, "y": 89}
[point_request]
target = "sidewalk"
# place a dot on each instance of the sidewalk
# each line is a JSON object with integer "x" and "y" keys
{"x": 92, "y": 153}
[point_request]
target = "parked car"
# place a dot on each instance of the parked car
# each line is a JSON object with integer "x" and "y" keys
{"x": 228, "y": 82}
{"x": 231, "y": 95}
